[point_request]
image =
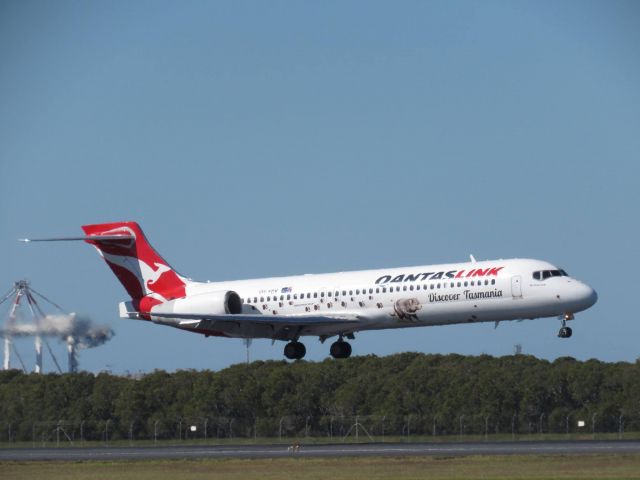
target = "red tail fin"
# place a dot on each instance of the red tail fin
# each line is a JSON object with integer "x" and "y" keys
{"x": 140, "y": 269}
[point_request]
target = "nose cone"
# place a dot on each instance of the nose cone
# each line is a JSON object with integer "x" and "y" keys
{"x": 585, "y": 296}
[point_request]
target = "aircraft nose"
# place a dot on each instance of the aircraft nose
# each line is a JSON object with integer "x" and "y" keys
{"x": 586, "y": 295}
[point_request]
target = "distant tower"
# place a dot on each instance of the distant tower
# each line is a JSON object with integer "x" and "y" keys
{"x": 72, "y": 354}
{"x": 26, "y": 319}
{"x": 517, "y": 349}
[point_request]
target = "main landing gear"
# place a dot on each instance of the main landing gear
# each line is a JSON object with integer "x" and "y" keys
{"x": 340, "y": 349}
{"x": 295, "y": 350}
{"x": 565, "y": 332}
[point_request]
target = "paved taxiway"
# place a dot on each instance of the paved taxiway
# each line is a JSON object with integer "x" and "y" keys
{"x": 333, "y": 450}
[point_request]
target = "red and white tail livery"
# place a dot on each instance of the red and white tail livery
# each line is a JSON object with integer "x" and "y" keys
{"x": 333, "y": 304}
{"x": 145, "y": 275}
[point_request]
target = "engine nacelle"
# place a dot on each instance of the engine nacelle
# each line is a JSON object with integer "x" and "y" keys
{"x": 212, "y": 303}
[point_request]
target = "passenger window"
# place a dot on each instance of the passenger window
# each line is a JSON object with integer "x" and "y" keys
{"x": 315, "y": 294}
{"x": 404, "y": 288}
{"x": 466, "y": 284}
{"x": 493, "y": 282}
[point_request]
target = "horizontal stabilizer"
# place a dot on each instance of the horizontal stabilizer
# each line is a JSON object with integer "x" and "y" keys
{"x": 95, "y": 238}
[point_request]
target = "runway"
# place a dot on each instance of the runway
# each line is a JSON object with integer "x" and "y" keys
{"x": 331, "y": 450}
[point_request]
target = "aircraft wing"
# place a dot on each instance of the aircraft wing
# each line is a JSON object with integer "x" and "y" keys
{"x": 269, "y": 326}
{"x": 280, "y": 320}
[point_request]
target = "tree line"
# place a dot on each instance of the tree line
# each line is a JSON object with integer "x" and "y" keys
{"x": 395, "y": 395}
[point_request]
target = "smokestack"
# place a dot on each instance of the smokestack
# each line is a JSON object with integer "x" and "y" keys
{"x": 6, "y": 365}
{"x": 73, "y": 354}
{"x": 38, "y": 344}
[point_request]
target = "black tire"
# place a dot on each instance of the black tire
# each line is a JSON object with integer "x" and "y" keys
{"x": 340, "y": 349}
{"x": 301, "y": 350}
{"x": 290, "y": 350}
{"x": 568, "y": 332}
{"x": 295, "y": 350}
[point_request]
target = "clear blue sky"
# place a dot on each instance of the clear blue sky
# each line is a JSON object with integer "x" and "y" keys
{"x": 256, "y": 139}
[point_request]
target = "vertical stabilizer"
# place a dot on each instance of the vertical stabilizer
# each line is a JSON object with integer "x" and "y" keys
{"x": 140, "y": 269}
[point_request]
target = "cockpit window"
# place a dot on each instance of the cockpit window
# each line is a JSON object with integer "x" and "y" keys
{"x": 544, "y": 274}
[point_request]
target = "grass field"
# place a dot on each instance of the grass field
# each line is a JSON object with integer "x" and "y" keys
{"x": 473, "y": 467}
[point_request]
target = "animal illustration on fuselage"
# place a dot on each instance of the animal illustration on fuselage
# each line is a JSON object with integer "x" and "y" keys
{"x": 406, "y": 308}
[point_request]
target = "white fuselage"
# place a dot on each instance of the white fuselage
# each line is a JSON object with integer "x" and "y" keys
{"x": 487, "y": 291}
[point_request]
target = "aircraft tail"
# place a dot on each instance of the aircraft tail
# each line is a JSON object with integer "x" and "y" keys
{"x": 140, "y": 269}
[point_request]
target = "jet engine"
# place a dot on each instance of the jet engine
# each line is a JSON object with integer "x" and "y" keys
{"x": 210, "y": 303}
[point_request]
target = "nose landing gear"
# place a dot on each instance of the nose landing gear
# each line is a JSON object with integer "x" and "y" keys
{"x": 565, "y": 332}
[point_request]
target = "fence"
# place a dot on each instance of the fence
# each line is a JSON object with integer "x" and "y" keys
{"x": 329, "y": 428}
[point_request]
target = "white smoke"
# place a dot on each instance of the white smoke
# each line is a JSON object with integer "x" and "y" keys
{"x": 79, "y": 330}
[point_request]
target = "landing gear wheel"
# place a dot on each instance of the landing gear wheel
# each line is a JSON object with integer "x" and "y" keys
{"x": 295, "y": 350}
{"x": 340, "y": 349}
{"x": 565, "y": 332}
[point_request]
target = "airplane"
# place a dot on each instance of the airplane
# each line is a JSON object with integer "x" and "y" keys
{"x": 333, "y": 304}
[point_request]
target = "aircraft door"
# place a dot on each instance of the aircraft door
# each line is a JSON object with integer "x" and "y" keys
{"x": 516, "y": 286}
